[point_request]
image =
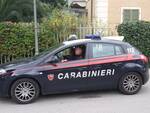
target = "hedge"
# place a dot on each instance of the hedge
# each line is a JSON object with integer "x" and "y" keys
{"x": 137, "y": 34}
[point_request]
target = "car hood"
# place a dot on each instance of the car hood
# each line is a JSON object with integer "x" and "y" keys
{"x": 18, "y": 64}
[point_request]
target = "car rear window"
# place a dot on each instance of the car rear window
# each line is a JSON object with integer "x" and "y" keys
{"x": 133, "y": 50}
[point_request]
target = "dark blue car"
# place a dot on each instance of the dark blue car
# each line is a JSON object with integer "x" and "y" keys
{"x": 76, "y": 65}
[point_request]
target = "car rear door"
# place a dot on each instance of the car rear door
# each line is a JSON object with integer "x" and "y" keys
{"x": 105, "y": 61}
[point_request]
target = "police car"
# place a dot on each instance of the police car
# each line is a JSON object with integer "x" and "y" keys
{"x": 76, "y": 65}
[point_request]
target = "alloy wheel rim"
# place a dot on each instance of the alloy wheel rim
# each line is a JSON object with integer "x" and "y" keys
{"x": 131, "y": 83}
{"x": 25, "y": 91}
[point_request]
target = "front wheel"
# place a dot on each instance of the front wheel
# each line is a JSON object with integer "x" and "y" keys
{"x": 130, "y": 83}
{"x": 24, "y": 91}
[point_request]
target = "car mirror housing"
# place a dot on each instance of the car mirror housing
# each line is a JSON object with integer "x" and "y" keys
{"x": 54, "y": 60}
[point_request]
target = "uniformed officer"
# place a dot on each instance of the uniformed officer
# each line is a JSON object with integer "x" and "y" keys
{"x": 77, "y": 53}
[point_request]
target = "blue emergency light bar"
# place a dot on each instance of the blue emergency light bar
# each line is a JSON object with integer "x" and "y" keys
{"x": 92, "y": 36}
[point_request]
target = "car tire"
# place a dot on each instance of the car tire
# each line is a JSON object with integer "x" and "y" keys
{"x": 24, "y": 91}
{"x": 130, "y": 83}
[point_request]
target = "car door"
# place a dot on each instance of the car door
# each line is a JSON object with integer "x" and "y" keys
{"x": 65, "y": 76}
{"x": 105, "y": 61}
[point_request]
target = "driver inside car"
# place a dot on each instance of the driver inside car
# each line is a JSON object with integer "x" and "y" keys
{"x": 77, "y": 53}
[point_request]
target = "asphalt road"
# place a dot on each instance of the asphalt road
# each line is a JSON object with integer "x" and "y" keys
{"x": 87, "y": 102}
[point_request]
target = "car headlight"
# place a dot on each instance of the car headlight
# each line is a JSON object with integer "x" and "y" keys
{"x": 2, "y": 71}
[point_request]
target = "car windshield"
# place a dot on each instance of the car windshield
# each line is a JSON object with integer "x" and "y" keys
{"x": 44, "y": 53}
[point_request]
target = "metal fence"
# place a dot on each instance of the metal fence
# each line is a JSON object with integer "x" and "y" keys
{"x": 4, "y": 58}
{"x": 80, "y": 31}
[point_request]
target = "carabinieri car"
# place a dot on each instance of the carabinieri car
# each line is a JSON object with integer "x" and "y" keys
{"x": 76, "y": 65}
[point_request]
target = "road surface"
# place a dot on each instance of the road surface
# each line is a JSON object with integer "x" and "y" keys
{"x": 87, "y": 102}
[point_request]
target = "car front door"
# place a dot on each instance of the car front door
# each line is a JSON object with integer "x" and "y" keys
{"x": 65, "y": 76}
{"x": 105, "y": 61}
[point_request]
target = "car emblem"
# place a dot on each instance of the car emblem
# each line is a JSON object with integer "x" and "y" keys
{"x": 50, "y": 77}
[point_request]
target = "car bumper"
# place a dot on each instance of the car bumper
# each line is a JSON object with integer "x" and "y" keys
{"x": 146, "y": 76}
{"x": 4, "y": 87}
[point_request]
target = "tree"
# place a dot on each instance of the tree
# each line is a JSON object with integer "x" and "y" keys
{"x": 19, "y": 10}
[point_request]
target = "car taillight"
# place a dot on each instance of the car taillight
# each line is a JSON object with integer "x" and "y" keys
{"x": 144, "y": 58}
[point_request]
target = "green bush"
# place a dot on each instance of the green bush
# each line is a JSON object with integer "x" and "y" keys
{"x": 16, "y": 39}
{"x": 137, "y": 34}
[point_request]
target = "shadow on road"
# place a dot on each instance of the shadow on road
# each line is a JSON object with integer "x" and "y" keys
{"x": 78, "y": 95}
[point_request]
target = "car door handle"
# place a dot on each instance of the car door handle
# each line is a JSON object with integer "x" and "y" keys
{"x": 117, "y": 64}
{"x": 82, "y": 68}
{"x": 97, "y": 67}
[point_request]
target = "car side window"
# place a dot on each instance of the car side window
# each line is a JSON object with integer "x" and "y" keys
{"x": 119, "y": 50}
{"x": 103, "y": 50}
{"x": 133, "y": 50}
{"x": 71, "y": 54}
{"x": 63, "y": 54}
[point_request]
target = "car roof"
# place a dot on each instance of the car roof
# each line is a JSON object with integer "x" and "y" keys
{"x": 82, "y": 41}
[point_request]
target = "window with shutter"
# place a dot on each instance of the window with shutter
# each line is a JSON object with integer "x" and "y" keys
{"x": 131, "y": 15}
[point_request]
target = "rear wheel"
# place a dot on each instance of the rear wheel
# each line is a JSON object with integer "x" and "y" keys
{"x": 130, "y": 83}
{"x": 24, "y": 91}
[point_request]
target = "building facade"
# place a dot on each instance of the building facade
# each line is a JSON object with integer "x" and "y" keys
{"x": 78, "y": 7}
{"x": 127, "y": 11}
{"x": 114, "y": 12}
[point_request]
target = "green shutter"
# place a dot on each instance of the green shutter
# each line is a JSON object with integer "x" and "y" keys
{"x": 135, "y": 15}
{"x": 126, "y": 15}
{"x": 130, "y": 15}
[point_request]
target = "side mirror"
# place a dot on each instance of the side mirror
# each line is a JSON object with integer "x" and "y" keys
{"x": 54, "y": 59}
